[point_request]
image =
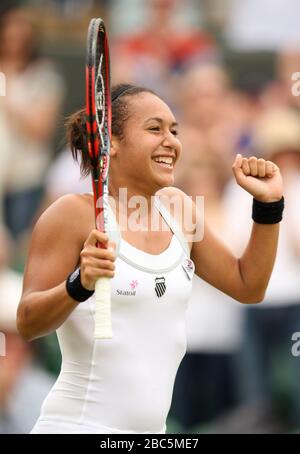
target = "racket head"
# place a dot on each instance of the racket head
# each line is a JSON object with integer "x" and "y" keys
{"x": 98, "y": 114}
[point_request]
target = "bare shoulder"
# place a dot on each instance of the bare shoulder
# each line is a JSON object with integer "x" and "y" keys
{"x": 170, "y": 191}
{"x": 181, "y": 207}
{"x": 172, "y": 194}
{"x": 56, "y": 241}
{"x": 72, "y": 213}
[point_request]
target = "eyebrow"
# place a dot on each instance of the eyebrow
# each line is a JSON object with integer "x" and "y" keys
{"x": 160, "y": 120}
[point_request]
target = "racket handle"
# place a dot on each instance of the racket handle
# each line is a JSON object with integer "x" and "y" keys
{"x": 103, "y": 328}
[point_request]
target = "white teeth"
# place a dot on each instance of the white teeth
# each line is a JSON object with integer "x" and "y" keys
{"x": 165, "y": 160}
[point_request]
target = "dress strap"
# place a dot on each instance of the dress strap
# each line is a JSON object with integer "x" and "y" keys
{"x": 115, "y": 235}
{"x": 173, "y": 224}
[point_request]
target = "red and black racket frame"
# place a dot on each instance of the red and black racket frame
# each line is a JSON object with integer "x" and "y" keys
{"x": 98, "y": 104}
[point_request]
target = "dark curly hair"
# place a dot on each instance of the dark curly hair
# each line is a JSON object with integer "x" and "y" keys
{"x": 76, "y": 126}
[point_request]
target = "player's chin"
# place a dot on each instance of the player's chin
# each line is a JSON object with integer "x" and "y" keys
{"x": 165, "y": 180}
{"x": 162, "y": 175}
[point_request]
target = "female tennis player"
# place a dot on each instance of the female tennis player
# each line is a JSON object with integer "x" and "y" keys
{"x": 124, "y": 384}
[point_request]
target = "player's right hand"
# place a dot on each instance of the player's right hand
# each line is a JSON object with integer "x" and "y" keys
{"x": 96, "y": 262}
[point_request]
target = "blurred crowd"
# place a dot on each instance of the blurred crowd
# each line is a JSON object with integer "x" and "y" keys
{"x": 228, "y": 69}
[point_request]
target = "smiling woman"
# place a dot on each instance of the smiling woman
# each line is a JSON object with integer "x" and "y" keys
{"x": 125, "y": 384}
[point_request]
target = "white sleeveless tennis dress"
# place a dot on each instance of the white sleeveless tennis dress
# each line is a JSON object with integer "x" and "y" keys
{"x": 125, "y": 384}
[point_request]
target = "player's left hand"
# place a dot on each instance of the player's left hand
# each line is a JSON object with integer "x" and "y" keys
{"x": 262, "y": 179}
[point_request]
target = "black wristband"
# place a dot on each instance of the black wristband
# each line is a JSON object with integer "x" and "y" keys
{"x": 267, "y": 212}
{"x": 75, "y": 289}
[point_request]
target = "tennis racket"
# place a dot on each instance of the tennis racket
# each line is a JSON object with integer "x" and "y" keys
{"x": 98, "y": 125}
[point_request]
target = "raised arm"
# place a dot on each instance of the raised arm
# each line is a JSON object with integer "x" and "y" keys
{"x": 246, "y": 278}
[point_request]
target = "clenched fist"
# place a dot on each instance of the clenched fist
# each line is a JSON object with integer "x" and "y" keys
{"x": 262, "y": 179}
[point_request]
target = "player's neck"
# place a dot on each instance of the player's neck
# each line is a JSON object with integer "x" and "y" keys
{"x": 128, "y": 200}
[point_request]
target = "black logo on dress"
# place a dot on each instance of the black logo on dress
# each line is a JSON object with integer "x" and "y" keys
{"x": 160, "y": 286}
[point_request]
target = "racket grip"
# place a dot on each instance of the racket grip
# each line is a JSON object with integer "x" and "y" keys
{"x": 103, "y": 328}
